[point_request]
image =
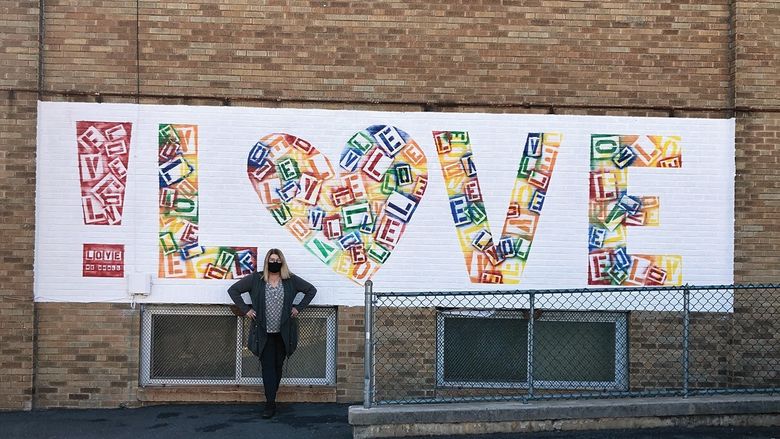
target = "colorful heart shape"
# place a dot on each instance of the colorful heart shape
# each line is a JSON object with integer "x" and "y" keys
{"x": 351, "y": 221}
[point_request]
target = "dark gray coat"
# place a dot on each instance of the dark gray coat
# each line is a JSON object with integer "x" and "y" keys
{"x": 255, "y": 286}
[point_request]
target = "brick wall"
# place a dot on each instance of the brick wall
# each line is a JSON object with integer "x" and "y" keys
{"x": 405, "y": 353}
{"x": 757, "y": 198}
{"x": 675, "y": 53}
{"x": 19, "y": 46}
{"x": 548, "y": 51}
{"x": 18, "y": 58}
{"x": 90, "y": 46}
{"x": 87, "y": 355}
{"x": 17, "y": 232}
{"x": 351, "y": 346}
{"x": 757, "y": 57}
{"x": 757, "y": 190}
{"x": 757, "y": 184}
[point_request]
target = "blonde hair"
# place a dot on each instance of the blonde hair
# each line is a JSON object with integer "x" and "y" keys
{"x": 284, "y": 272}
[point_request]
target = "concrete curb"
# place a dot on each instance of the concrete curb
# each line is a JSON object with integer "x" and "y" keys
{"x": 493, "y": 417}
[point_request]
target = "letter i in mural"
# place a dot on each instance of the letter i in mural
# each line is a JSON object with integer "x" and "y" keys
{"x": 488, "y": 261}
{"x": 103, "y": 160}
{"x": 612, "y": 210}
{"x": 181, "y": 255}
{"x": 351, "y": 222}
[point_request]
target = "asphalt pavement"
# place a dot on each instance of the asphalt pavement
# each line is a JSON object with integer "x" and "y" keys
{"x": 293, "y": 420}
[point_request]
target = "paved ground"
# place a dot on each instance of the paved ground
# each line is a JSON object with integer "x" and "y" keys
{"x": 180, "y": 421}
{"x": 660, "y": 433}
{"x": 321, "y": 421}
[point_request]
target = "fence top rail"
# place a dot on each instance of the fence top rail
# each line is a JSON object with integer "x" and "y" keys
{"x": 611, "y": 290}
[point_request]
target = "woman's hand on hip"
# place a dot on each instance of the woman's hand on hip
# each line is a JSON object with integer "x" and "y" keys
{"x": 251, "y": 314}
{"x": 294, "y": 312}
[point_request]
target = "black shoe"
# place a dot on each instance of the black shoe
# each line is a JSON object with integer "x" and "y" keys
{"x": 270, "y": 410}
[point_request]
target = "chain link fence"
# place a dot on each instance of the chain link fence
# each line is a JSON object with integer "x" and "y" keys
{"x": 206, "y": 344}
{"x": 586, "y": 343}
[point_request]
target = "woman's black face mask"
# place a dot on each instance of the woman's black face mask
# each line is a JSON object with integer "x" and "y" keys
{"x": 274, "y": 267}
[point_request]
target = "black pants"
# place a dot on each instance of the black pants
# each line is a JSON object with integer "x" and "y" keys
{"x": 271, "y": 361}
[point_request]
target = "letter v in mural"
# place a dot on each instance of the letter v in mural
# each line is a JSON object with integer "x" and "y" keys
{"x": 612, "y": 210}
{"x": 486, "y": 260}
{"x": 350, "y": 222}
{"x": 181, "y": 254}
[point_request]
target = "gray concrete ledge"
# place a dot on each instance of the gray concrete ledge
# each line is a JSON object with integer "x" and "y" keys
{"x": 495, "y": 417}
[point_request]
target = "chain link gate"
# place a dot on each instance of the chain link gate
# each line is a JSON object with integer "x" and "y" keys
{"x": 426, "y": 347}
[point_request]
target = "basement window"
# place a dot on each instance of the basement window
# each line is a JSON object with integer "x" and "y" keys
{"x": 571, "y": 350}
{"x": 204, "y": 344}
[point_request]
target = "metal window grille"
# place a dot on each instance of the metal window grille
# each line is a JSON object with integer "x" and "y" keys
{"x": 578, "y": 343}
{"x": 206, "y": 344}
{"x": 573, "y": 350}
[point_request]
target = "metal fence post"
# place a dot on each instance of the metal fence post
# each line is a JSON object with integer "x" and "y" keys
{"x": 530, "y": 355}
{"x": 686, "y": 329}
{"x": 368, "y": 390}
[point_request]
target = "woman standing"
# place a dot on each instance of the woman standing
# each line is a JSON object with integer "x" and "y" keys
{"x": 274, "y": 332}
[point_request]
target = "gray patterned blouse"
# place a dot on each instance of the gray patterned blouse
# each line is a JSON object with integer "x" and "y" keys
{"x": 274, "y": 300}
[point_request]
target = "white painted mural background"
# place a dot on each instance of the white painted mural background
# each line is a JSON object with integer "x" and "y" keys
{"x": 696, "y": 200}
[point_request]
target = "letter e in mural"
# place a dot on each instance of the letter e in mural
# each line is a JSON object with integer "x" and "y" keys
{"x": 612, "y": 210}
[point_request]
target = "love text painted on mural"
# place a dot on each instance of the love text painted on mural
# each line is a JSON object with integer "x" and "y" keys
{"x": 353, "y": 220}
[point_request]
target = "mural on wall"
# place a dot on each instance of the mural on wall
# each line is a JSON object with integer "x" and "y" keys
{"x": 180, "y": 253}
{"x": 103, "y": 156}
{"x": 351, "y": 221}
{"x": 612, "y": 210}
{"x": 488, "y": 261}
{"x": 351, "y": 196}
